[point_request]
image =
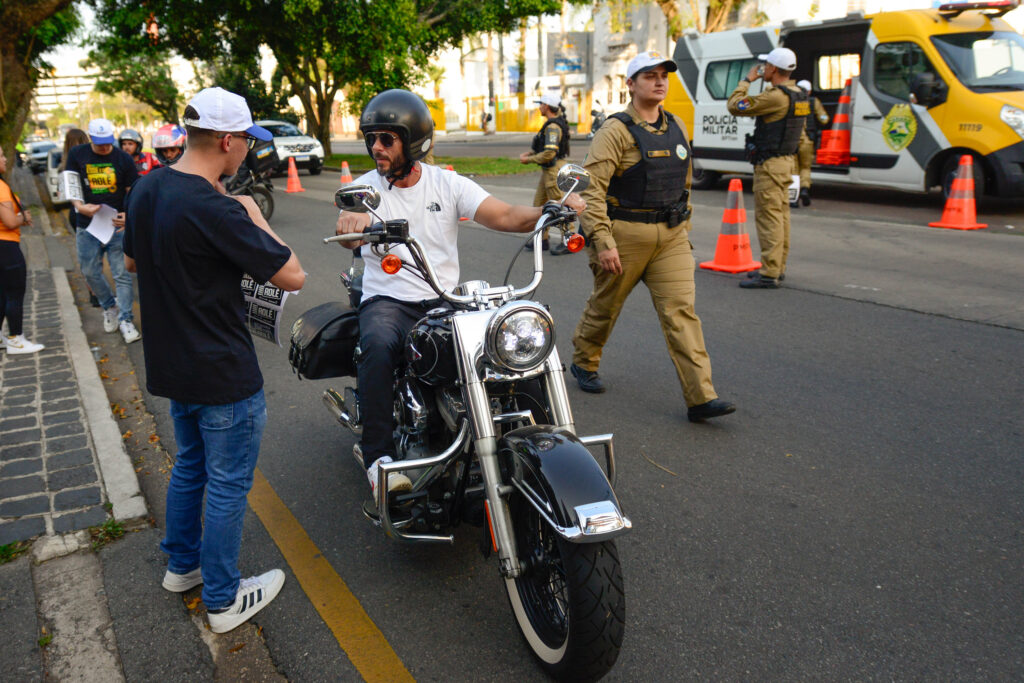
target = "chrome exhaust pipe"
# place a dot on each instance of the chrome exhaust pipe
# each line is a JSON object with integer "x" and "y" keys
{"x": 337, "y": 407}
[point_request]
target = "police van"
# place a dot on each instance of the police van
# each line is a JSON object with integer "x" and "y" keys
{"x": 926, "y": 86}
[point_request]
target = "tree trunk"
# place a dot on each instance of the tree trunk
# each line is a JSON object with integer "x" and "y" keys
{"x": 521, "y": 58}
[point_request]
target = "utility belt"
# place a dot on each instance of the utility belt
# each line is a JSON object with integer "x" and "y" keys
{"x": 673, "y": 215}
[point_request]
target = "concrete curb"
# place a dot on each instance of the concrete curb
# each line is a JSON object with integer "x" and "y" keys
{"x": 119, "y": 478}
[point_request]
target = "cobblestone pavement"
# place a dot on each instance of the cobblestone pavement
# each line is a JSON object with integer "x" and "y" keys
{"x": 49, "y": 481}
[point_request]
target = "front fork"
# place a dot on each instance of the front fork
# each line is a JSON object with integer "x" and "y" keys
{"x": 486, "y": 445}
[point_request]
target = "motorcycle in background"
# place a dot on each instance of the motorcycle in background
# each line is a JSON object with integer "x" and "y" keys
{"x": 255, "y": 184}
{"x": 596, "y": 122}
{"x": 485, "y": 432}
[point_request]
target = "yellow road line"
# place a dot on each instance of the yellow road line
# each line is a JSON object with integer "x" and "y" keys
{"x": 358, "y": 636}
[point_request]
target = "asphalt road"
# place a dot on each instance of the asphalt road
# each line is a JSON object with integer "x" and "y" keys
{"x": 858, "y": 517}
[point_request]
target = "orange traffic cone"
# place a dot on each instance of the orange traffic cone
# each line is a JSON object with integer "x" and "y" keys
{"x": 732, "y": 253}
{"x": 346, "y": 174}
{"x": 293, "y": 177}
{"x": 959, "y": 213}
{"x": 449, "y": 168}
{"x": 835, "y": 143}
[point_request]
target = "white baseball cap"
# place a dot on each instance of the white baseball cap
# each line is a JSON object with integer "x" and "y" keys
{"x": 645, "y": 61}
{"x": 101, "y": 132}
{"x": 781, "y": 57}
{"x": 552, "y": 100}
{"x": 806, "y": 85}
{"x": 225, "y": 112}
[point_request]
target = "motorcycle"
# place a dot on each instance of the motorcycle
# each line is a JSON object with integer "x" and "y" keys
{"x": 255, "y": 184}
{"x": 485, "y": 432}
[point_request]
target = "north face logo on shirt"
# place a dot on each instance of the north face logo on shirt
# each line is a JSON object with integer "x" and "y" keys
{"x": 433, "y": 207}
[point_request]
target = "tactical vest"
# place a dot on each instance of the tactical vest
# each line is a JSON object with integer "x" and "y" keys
{"x": 782, "y": 138}
{"x": 537, "y": 146}
{"x": 811, "y": 127}
{"x": 658, "y": 182}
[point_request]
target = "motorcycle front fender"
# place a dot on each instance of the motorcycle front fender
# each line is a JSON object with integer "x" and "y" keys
{"x": 552, "y": 469}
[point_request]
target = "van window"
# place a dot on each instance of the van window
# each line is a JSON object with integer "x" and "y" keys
{"x": 896, "y": 64}
{"x": 834, "y": 70}
{"x": 721, "y": 77}
{"x": 984, "y": 62}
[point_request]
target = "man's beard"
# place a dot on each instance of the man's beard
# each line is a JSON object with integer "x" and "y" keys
{"x": 392, "y": 165}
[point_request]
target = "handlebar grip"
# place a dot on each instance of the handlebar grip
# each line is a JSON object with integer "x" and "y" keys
{"x": 352, "y": 236}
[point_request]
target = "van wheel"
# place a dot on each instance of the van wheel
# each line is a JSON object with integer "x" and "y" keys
{"x": 949, "y": 169}
{"x": 704, "y": 180}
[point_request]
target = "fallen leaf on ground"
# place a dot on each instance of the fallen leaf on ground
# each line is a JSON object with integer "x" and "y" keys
{"x": 236, "y": 648}
{"x": 153, "y": 438}
{"x": 127, "y": 435}
{"x": 193, "y": 603}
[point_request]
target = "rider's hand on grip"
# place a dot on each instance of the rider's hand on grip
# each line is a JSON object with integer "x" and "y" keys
{"x": 349, "y": 222}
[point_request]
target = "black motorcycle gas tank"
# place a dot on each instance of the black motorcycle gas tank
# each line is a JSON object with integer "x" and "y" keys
{"x": 430, "y": 348}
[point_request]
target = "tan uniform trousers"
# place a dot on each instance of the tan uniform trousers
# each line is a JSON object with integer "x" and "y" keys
{"x": 804, "y": 158}
{"x": 662, "y": 258}
{"x": 547, "y": 188}
{"x": 771, "y": 206}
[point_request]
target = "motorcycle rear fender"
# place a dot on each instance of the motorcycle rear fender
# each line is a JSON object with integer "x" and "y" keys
{"x": 555, "y": 472}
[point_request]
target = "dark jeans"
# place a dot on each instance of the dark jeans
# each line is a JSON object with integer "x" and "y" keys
{"x": 12, "y": 285}
{"x": 383, "y": 324}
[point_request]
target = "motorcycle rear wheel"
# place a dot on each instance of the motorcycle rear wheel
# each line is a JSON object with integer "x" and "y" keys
{"x": 264, "y": 200}
{"x": 569, "y": 601}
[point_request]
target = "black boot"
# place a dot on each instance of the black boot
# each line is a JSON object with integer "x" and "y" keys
{"x": 805, "y": 196}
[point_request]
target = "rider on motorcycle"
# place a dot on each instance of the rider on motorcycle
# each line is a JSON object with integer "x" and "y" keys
{"x": 169, "y": 143}
{"x": 130, "y": 141}
{"x": 397, "y": 127}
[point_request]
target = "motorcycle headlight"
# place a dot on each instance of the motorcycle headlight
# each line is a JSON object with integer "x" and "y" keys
{"x": 1014, "y": 118}
{"x": 520, "y": 336}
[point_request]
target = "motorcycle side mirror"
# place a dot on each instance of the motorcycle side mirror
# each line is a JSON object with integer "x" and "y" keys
{"x": 357, "y": 198}
{"x": 573, "y": 178}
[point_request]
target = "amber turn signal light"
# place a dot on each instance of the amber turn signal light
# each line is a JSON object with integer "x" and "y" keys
{"x": 391, "y": 264}
{"x": 575, "y": 242}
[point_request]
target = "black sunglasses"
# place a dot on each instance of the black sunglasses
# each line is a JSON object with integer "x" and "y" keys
{"x": 386, "y": 139}
{"x": 250, "y": 141}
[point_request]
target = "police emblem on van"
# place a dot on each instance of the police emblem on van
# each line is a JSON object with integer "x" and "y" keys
{"x": 899, "y": 127}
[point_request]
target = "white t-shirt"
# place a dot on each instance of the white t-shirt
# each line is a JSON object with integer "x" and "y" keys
{"x": 433, "y": 207}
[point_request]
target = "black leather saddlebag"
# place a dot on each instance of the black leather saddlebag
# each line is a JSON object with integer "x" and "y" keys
{"x": 324, "y": 340}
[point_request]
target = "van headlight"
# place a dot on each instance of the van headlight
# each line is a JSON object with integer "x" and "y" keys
{"x": 520, "y": 336}
{"x": 1014, "y": 118}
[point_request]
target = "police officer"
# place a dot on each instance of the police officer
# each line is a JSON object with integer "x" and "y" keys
{"x": 549, "y": 149}
{"x": 781, "y": 111}
{"x": 808, "y": 143}
{"x": 638, "y": 222}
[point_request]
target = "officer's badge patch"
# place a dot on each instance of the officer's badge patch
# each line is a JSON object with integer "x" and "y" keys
{"x": 899, "y": 127}
{"x": 681, "y": 151}
{"x": 743, "y": 104}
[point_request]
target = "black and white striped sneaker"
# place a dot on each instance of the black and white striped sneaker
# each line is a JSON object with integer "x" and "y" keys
{"x": 254, "y": 594}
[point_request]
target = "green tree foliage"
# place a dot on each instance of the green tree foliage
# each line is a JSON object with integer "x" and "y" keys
{"x": 127, "y": 61}
{"x": 707, "y": 16}
{"x": 323, "y": 46}
{"x": 28, "y": 28}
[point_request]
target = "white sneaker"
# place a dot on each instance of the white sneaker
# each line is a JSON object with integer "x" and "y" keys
{"x": 396, "y": 480}
{"x": 254, "y": 594}
{"x": 110, "y": 319}
{"x": 179, "y": 583}
{"x": 18, "y": 344}
{"x": 129, "y": 332}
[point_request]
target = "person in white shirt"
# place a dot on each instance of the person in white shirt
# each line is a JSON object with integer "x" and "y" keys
{"x": 398, "y": 130}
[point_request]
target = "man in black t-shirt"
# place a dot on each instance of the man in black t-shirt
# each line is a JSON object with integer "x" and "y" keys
{"x": 105, "y": 174}
{"x": 190, "y": 245}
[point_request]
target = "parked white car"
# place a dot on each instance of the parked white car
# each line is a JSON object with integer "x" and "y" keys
{"x": 53, "y": 159}
{"x": 291, "y": 143}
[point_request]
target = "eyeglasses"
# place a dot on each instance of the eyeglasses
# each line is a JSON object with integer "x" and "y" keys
{"x": 386, "y": 139}
{"x": 250, "y": 141}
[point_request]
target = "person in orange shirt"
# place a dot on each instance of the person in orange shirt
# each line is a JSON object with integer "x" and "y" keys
{"x": 12, "y": 268}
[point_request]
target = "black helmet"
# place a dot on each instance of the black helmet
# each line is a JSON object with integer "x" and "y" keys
{"x": 133, "y": 135}
{"x": 404, "y": 113}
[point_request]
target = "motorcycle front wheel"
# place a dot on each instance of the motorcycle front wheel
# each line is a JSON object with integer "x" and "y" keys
{"x": 568, "y": 601}
{"x": 264, "y": 200}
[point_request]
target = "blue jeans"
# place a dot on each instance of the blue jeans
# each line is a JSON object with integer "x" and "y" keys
{"x": 90, "y": 258}
{"x": 217, "y": 450}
